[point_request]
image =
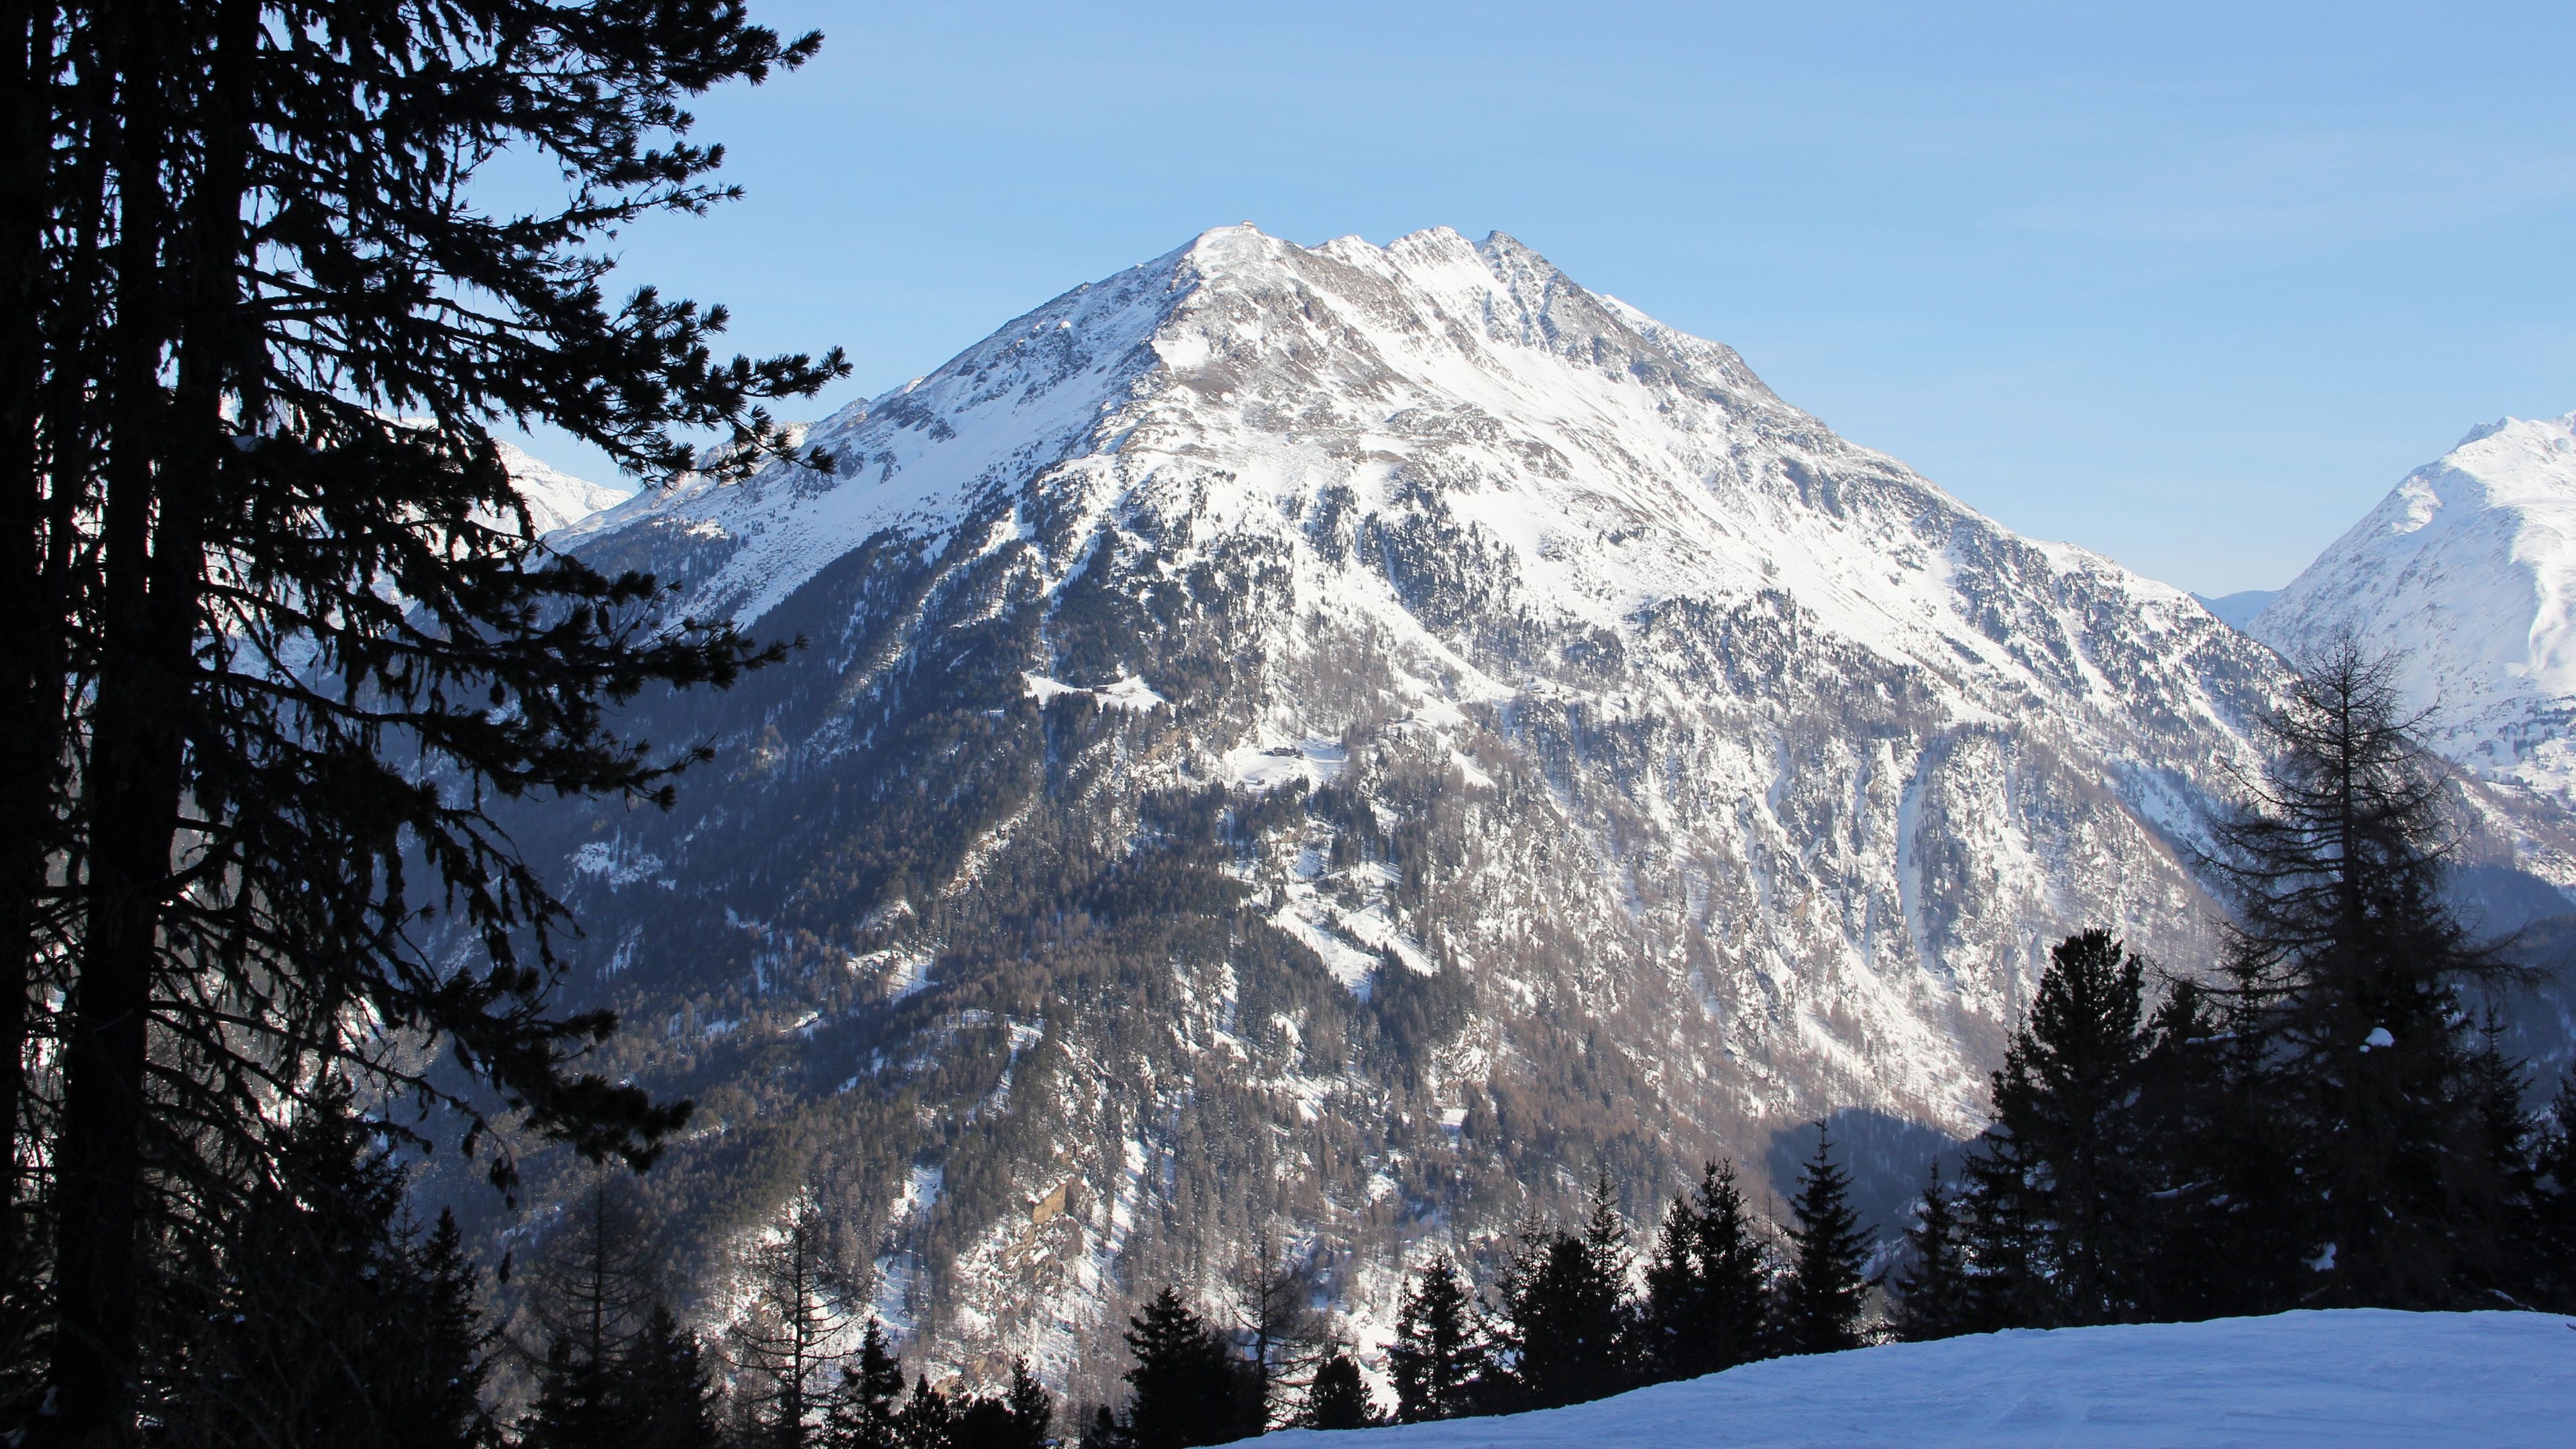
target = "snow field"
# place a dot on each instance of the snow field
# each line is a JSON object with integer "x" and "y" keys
{"x": 2348, "y": 1379}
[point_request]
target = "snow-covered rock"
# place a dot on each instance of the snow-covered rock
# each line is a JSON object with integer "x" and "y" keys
{"x": 1392, "y": 729}
{"x": 2349, "y": 1379}
{"x": 2467, "y": 572}
{"x": 556, "y": 499}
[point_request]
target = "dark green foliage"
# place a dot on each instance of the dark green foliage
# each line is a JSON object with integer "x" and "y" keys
{"x": 1338, "y": 1398}
{"x": 2057, "y": 1190}
{"x": 668, "y": 1388}
{"x": 2344, "y": 967}
{"x": 1438, "y": 1354}
{"x": 343, "y": 1324}
{"x": 1817, "y": 1307}
{"x": 863, "y": 1413}
{"x": 281, "y": 639}
{"x": 1185, "y": 1387}
{"x": 1708, "y": 1284}
{"x": 2554, "y": 1202}
{"x": 1932, "y": 1293}
{"x": 1568, "y": 1329}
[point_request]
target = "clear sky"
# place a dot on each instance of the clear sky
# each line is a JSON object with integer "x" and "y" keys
{"x": 2192, "y": 285}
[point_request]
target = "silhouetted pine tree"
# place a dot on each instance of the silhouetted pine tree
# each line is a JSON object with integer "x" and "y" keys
{"x": 1707, "y": 1285}
{"x": 279, "y": 589}
{"x": 2219, "y": 1242}
{"x": 334, "y": 1321}
{"x": 1932, "y": 1294}
{"x": 1820, "y": 1297}
{"x": 782, "y": 1345}
{"x": 2554, "y": 1202}
{"x": 2343, "y": 968}
{"x": 2057, "y": 1196}
{"x": 1438, "y": 1353}
{"x": 928, "y": 1418}
{"x": 667, "y": 1389}
{"x": 1338, "y": 1398}
{"x": 863, "y": 1414}
{"x": 1568, "y": 1326}
{"x": 1185, "y": 1388}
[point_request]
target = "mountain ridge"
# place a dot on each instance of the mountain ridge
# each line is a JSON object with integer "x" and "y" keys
{"x": 1331, "y": 745}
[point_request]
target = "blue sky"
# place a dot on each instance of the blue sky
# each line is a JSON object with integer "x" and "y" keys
{"x": 2190, "y": 285}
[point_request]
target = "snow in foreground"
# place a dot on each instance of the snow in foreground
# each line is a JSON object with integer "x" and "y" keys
{"x": 2348, "y": 1378}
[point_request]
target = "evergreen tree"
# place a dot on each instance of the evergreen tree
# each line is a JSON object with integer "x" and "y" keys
{"x": 2057, "y": 1191}
{"x": 334, "y": 1321}
{"x": 667, "y": 1389}
{"x": 285, "y": 635}
{"x": 2218, "y": 1155}
{"x": 1338, "y": 1398}
{"x": 1707, "y": 1284}
{"x": 1184, "y": 1389}
{"x": 1932, "y": 1293}
{"x": 2554, "y": 1202}
{"x": 1105, "y": 1431}
{"x": 1565, "y": 1303}
{"x": 928, "y": 1419}
{"x": 2344, "y": 967}
{"x": 863, "y": 1414}
{"x": 1438, "y": 1355}
{"x": 1821, "y": 1296}
{"x": 592, "y": 1296}
{"x": 1032, "y": 1409}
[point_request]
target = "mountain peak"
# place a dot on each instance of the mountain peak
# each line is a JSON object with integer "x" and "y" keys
{"x": 2465, "y": 573}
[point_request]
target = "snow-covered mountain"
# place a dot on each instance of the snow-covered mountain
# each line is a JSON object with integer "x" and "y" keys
{"x": 555, "y": 498}
{"x": 1327, "y": 745}
{"x": 2467, "y": 572}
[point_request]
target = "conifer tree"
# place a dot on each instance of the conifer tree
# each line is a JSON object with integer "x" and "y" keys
{"x": 285, "y": 638}
{"x": 863, "y": 1414}
{"x": 1822, "y": 1294}
{"x": 1567, "y": 1320}
{"x": 1932, "y": 1292}
{"x": 2554, "y": 1202}
{"x": 1708, "y": 1284}
{"x": 2344, "y": 966}
{"x": 333, "y": 1319}
{"x": 1438, "y": 1355}
{"x": 2057, "y": 1189}
{"x": 1184, "y": 1389}
{"x": 1032, "y": 1408}
{"x": 928, "y": 1418}
{"x": 1282, "y": 1341}
{"x": 592, "y": 1297}
{"x": 1338, "y": 1398}
{"x": 667, "y": 1389}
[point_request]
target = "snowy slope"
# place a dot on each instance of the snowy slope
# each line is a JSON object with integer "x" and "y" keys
{"x": 2467, "y": 570}
{"x": 554, "y": 497}
{"x": 1329, "y": 744}
{"x": 2353, "y": 1379}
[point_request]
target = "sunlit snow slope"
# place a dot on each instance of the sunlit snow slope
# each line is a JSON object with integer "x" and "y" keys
{"x": 2355, "y": 1379}
{"x": 2467, "y": 571}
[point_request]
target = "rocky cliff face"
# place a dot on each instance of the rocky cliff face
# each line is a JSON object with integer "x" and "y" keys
{"x": 1328, "y": 745}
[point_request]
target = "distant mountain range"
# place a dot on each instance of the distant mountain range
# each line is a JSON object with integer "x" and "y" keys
{"x": 1327, "y": 746}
